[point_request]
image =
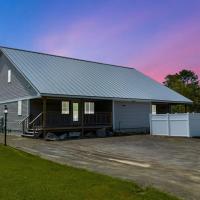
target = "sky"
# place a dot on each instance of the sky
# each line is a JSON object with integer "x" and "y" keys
{"x": 156, "y": 37}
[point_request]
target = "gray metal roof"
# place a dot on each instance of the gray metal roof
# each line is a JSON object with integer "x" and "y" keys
{"x": 55, "y": 75}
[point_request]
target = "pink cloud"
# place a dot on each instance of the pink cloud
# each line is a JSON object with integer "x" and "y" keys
{"x": 172, "y": 51}
{"x": 96, "y": 38}
{"x": 92, "y": 37}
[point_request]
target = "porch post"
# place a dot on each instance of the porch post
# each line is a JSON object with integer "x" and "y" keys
{"x": 169, "y": 108}
{"x": 44, "y": 110}
{"x": 113, "y": 115}
{"x": 82, "y": 117}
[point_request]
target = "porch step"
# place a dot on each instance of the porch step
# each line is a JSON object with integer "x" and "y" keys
{"x": 29, "y": 134}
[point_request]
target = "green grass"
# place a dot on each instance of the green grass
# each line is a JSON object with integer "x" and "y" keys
{"x": 27, "y": 177}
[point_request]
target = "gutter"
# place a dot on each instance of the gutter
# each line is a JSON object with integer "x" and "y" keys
{"x": 113, "y": 98}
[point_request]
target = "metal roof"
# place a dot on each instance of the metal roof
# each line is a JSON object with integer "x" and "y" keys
{"x": 62, "y": 76}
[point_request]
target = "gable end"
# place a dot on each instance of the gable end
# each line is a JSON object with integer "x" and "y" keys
{"x": 18, "y": 87}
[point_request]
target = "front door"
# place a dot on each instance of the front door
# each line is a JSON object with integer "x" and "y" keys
{"x": 75, "y": 112}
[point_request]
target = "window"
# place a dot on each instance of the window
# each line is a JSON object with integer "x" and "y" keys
{"x": 154, "y": 109}
{"x": 89, "y": 108}
{"x": 65, "y": 107}
{"x": 9, "y": 76}
{"x": 75, "y": 112}
{"x": 19, "y": 109}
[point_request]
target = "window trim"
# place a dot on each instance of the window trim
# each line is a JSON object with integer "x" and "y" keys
{"x": 89, "y": 111}
{"x": 19, "y": 108}
{"x": 65, "y": 108}
{"x": 9, "y": 75}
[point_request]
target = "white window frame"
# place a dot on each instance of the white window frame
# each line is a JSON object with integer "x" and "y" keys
{"x": 9, "y": 76}
{"x": 19, "y": 108}
{"x": 154, "y": 109}
{"x": 89, "y": 108}
{"x": 65, "y": 108}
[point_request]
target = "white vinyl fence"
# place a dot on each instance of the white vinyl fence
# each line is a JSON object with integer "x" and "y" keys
{"x": 183, "y": 124}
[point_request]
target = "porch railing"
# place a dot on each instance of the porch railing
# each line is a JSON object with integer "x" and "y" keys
{"x": 56, "y": 119}
{"x": 99, "y": 118}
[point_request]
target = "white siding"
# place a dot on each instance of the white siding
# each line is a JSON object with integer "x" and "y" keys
{"x": 17, "y": 88}
{"x": 13, "y": 117}
{"x": 130, "y": 115}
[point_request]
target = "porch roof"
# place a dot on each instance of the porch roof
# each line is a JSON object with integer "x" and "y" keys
{"x": 62, "y": 76}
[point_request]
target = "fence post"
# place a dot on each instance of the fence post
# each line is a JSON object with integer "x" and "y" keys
{"x": 168, "y": 124}
{"x": 188, "y": 124}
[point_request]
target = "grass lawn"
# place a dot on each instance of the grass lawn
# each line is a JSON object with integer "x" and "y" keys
{"x": 27, "y": 177}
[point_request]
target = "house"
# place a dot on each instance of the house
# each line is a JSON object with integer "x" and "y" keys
{"x": 47, "y": 93}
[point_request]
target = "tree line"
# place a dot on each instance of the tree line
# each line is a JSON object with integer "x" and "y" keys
{"x": 187, "y": 83}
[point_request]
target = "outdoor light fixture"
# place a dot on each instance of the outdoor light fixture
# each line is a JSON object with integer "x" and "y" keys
{"x": 5, "y": 124}
{"x": 5, "y": 109}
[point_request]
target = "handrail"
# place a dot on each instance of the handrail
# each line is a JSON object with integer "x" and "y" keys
{"x": 20, "y": 122}
{"x": 36, "y": 118}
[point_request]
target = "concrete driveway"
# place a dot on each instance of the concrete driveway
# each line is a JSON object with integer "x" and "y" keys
{"x": 170, "y": 164}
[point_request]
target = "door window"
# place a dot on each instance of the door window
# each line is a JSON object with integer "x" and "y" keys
{"x": 75, "y": 112}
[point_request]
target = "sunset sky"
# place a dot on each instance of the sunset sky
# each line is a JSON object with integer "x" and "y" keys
{"x": 157, "y": 37}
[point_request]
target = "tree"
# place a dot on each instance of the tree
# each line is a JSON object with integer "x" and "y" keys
{"x": 186, "y": 83}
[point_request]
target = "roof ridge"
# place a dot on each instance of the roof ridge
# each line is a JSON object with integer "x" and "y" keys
{"x": 48, "y": 54}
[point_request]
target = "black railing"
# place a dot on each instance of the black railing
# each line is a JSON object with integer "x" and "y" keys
{"x": 99, "y": 118}
{"x": 56, "y": 119}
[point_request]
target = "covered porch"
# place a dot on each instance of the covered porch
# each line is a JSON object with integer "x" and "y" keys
{"x": 55, "y": 114}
